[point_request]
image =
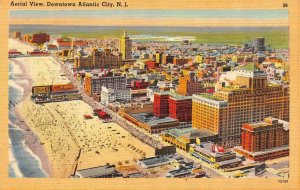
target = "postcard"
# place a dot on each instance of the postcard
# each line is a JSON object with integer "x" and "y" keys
{"x": 149, "y": 94}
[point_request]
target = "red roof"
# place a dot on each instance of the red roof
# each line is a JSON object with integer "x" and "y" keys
{"x": 12, "y": 50}
{"x": 69, "y": 43}
{"x": 38, "y": 53}
{"x": 88, "y": 117}
{"x": 97, "y": 110}
{"x": 102, "y": 113}
{"x": 51, "y": 46}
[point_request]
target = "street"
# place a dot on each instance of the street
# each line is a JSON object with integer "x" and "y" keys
{"x": 115, "y": 117}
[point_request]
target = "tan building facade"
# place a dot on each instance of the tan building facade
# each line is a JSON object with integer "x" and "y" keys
{"x": 98, "y": 59}
{"x": 227, "y": 110}
{"x": 125, "y": 46}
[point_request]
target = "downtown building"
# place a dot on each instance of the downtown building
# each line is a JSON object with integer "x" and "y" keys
{"x": 258, "y": 44}
{"x": 190, "y": 84}
{"x": 97, "y": 60}
{"x": 125, "y": 46}
{"x": 167, "y": 104}
{"x": 109, "y": 95}
{"x": 268, "y": 139}
{"x": 93, "y": 84}
{"x": 36, "y": 38}
{"x": 17, "y": 35}
{"x": 247, "y": 98}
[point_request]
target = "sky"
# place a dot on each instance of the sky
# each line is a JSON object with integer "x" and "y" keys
{"x": 152, "y": 17}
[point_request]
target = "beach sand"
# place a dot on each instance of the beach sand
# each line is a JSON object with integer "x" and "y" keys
{"x": 63, "y": 132}
{"x": 21, "y": 47}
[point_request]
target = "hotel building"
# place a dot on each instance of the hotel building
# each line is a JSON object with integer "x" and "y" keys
{"x": 248, "y": 98}
{"x": 190, "y": 84}
{"x": 98, "y": 59}
{"x": 265, "y": 140}
{"x": 167, "y": 104}
{"x": 125, "y": 46}
{"x": 93, "y": 84}
{"x": 37, "y": 38}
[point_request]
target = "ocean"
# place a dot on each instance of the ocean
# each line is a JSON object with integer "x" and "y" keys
{"x": 22, "y": 161}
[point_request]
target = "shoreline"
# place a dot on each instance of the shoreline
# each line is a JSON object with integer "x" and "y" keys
{"x": 50, "y": 129}
{"x": 57, "y": 124}
{"x": 31, "y": 139}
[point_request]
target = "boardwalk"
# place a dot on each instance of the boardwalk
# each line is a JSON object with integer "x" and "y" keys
{"x": 115, "y": 117}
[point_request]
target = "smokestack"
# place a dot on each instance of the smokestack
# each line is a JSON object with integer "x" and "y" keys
{"x": 218, "y": 73}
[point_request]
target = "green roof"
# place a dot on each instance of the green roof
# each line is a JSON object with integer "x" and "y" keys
{"x": 179, "y": 96}
{"x": 209, "y": 96}
{"x": 250, "y": 67}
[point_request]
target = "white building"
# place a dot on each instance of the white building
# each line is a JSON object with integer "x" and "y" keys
{"x": 165, "y": 84}
{"x": 151, "y": 91}
{"x": 109, "y": 95}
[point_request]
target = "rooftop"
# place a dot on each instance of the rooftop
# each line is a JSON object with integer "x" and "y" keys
{"x": 155, "y": 161}
{"x": 250, "y": 67}
{"x": 210, "y": 100}
{"x": 210, "y": 96}
{"x": 206, "y": 149}
{"x": 263, "y": 152}
{"x": 179, "y": 97}
{"x": 96, "y": 171}
{"x": 181, "y": 171}
{"x": 226, "y": 162}
{"x": 269, "y": 122}
{"x": 191, "y": 133}
{"x": 152, "y": 120}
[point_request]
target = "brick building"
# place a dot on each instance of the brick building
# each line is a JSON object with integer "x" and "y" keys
{"x": 180, "y": 61}
{"x": 167, "y": 59}
{"x": 37, "y": 38}
{"x": 264, "y": 140}
{"x": 139, "y": 84}
{"x": 189, "y": 85}
{"x": 180, "y": 107}
{"x": 67, "y": 43}
{"x": 173, "y": 105}
{"x": 152, "y": 64}
{"x": 161, "y": 104}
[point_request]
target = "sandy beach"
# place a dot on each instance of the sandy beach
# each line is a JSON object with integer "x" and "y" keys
{"x": 30, "y": 137}
{"x": 21, "y": 47}
{"x": 64, "y": 133}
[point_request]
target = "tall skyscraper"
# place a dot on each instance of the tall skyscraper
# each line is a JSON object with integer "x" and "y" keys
{"x": 248, "y": 99}
{"x": 125, "y": 46}
{"x": 259, "y": 44}
{"x": 161, "y": 104}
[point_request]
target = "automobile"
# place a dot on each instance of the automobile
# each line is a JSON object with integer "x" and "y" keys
{"x": 238, "y": 175}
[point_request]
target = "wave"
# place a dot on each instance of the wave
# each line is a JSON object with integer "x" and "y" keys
{"x": 13, "y": 126}
{"x": 14, "y": 68}
{"x": 22, "y": 161}
{"x": 14, "y": 85}
{"x": 23, "y": 82}
{"x": 13, "y": 163}
{"x": 27, "y": 149}
{"x": 19, "y": 147}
